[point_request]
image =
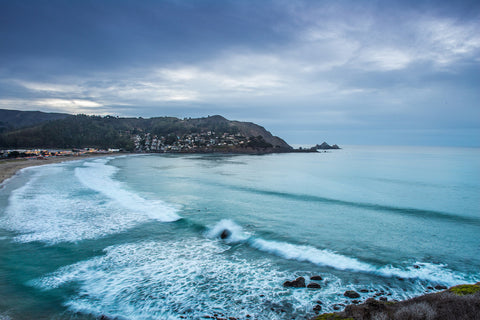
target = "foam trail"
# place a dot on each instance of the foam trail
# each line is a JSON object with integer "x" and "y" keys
{"x": 162, "y": 280}
{"x": 323, "y": 257}
{"x": 437, "y": 273}
{"x": 97, "y": 175}
{"x": 311, "y": 254}
{"x": 427, "y": 271}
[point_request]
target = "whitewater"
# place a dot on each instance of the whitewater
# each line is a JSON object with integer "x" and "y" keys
{"x": 191, "y": 236}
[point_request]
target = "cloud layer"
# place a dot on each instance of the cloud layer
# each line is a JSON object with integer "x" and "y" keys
{"x": 350, "y": 72}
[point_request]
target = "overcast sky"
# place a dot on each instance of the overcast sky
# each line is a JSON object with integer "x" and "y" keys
{"x": 347, "y": 72}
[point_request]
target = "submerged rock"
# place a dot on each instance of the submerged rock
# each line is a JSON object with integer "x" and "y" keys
{"x": 313, "y": 285}
{"x": 297, "y": 283}
{"x": 316, "y": 278}
{"x": 225, "y": 234}
{"x": 351, "y": 294}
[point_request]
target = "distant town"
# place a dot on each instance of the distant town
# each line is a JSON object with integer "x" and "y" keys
{"x": 203, "y": 141}
{"x": 47, "y": 153}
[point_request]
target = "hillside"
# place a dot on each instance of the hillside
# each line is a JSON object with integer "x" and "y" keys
{"x": 14, "y": 119}
{"x": 79, "y": 131}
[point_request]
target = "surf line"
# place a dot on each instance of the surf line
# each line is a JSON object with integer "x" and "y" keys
{"x": 231, "y": 233}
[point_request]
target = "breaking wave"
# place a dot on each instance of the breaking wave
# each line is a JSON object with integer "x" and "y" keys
{"x": 52, "y": 207}
{"x": 97, "y": 175}
{"x": 193, "y": 278}
{"x": 436, "y": 273}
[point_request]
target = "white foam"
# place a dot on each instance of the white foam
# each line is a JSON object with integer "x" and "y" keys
{"x": 311, "y": 254}
{"x": 53, "y": 207}
{"x": 193, "y": 277}
{"x": 437, "y": 273}
{"x": 97, "y": 175}
{"x": 237, "y": 234}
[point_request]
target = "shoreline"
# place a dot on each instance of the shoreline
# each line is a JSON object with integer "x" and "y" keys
{"x": 10, "y": 167}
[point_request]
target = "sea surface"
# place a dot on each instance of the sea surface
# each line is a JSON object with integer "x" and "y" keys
{"x": 138, "y": 237}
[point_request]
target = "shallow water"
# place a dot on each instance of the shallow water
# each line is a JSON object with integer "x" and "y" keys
{"x": 138, "y": 237}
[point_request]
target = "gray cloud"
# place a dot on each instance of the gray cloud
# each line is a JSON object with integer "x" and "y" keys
{"x": 305, "y": 70}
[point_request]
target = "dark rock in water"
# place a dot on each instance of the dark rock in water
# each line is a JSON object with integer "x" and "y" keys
{"x": 297, "y": 283}
{"x": 326, "y": 146}
{"x": 364, "y": 290}
{"x": 225, "y": 234}
{"x": 351, "y": 294}
{"x": 313, "y": 285}
{"x": 317, "y": 308}
{"x": 430, "y": 288}
{"x": 416, "y": 266}
{"x": 316, "y": 278}
{"x": 440, "y": 287}
{"x": 355, "y": 301}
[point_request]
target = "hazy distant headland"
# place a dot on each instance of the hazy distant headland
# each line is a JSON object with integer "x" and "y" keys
{"x": 34, "y": 129}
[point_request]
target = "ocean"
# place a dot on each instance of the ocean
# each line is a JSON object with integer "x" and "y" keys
{"x": 140, "y": 237}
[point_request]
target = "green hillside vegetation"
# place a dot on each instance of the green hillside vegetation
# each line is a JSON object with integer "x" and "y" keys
{"x": 15, "y": 119}
{"x": 81, "y": 131}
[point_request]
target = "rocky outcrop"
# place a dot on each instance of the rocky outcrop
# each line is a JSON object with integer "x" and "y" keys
{"x": 297, "y": 283}
{"x": 326, "y": 146}
{"x": 225, "y": 234}
{"x": 351, "y": 294}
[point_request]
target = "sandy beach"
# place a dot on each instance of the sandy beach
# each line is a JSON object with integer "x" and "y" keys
{"x": 8, "y": 167}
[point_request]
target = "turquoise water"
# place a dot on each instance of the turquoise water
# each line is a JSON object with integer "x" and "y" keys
{"x": 138, "y": 237}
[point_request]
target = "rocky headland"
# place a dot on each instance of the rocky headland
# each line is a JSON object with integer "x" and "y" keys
{"x": 26, "y": 130}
